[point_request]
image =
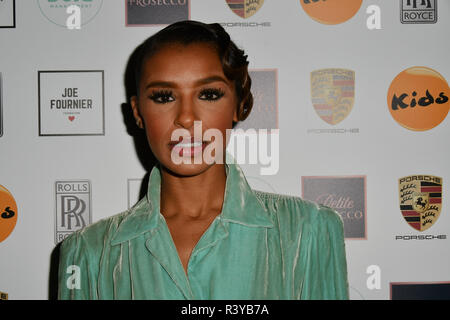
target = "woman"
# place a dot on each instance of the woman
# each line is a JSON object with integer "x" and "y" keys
{"x": 201, "y": 232}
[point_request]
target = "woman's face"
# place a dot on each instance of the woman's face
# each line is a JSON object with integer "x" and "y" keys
{"x": 181, "y": 84}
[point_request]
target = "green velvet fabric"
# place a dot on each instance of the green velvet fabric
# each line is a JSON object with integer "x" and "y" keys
{"x": 262, "y": 246}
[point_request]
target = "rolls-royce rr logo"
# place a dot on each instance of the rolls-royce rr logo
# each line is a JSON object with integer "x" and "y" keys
{"x": 418, "y": 11}
{"x": 420, "y": 200}
{"x": 73, "y": 207}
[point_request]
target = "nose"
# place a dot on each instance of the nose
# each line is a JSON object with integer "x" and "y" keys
{"x": 186, "y": 113}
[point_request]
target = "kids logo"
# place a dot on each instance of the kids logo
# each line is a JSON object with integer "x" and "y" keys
{"x": 58, "y": 11}
{"x": 418, "y": 98}
{"x": 331, "y": 11}
{"x": 8, "y": 213}
{"x": 245, "y": 8}
{"x": 420, "y": 200}
{"x": 332, "y": 93}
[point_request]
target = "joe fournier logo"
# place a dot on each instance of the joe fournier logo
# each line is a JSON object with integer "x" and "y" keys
{"x": 420, "y": 200}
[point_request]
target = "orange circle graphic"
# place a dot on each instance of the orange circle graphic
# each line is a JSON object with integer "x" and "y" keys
{"x": 8, "y": 213}
{"x": 331, "y": 11}
{"x": 418, "y": 98}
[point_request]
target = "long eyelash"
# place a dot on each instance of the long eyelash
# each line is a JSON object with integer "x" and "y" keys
{"x": 160, "y": 94}
{"x": 213, "y": 91}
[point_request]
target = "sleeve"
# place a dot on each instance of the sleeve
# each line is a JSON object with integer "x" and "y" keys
{"x": 328, "y": 265}
{"x": 76, "y": 275}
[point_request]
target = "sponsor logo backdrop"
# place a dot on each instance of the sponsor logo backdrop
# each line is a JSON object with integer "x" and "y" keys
{"x": 360, "y": 112}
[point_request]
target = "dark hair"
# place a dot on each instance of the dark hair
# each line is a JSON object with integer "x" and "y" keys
{"x": 234, "y": 61}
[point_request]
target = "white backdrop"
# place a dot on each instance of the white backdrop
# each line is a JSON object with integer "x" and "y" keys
{"x": 289, "y": 42}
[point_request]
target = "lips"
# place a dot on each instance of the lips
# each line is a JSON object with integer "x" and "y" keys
{"x": 188, "y": 146}
{"x": 184, "y": 140}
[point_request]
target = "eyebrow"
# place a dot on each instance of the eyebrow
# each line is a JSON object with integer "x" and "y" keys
{"x": 200, "y": 82}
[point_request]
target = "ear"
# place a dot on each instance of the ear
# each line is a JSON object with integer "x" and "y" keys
{"x": 235, "y": 114}
{"x": 135, "y": 108}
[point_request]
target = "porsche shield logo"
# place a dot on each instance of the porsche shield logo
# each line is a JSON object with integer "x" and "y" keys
{"x": 245, "y": 8}
{"x": 332, "y": 93}
{"x": 420, "y": 200}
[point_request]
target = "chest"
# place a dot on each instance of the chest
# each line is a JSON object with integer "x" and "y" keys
{"x": 186, "y": 235}
{"x": 237, "y": 262}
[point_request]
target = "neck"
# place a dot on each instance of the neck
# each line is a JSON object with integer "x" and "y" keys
{"x": 193, "y": 197}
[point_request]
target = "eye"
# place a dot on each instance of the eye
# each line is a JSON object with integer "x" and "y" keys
{"x": 211, "y": 94}
{"x": 163, "y": 96}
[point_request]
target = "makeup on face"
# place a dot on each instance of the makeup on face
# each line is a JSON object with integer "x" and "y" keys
{"x": 182, "y": 84}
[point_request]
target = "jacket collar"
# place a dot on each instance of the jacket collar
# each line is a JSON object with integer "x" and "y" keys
{"x": 240, "y": 205}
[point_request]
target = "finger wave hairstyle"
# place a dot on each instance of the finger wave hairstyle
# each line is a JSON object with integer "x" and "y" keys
{"x": 234, "y": 61}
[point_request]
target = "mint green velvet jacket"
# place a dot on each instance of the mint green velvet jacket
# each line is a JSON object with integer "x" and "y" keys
{"x": 261, "y": 246}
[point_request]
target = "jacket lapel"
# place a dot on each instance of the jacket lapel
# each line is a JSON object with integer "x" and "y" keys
{"x": 145, "y": 217}
{"x": 162, "y": 248}
{"x": 240, "y": 206}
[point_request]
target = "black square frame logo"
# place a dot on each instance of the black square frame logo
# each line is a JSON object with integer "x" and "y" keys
{"x": 418, "y": 11}
{"x": 71, "y": 103}
{"x": 10, "y": 14}
{"x": 73, "y": 207}
{"x": 420, "y": 290}
{"x": 264, "y": 114}
{"x": 1, "y": 106}
{"x": 153, "y": 13}
{"x": 346, "y": 195}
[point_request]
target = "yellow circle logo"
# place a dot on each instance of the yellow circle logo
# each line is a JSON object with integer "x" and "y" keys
{"x": 331, "y": 11}
{"x": 8, "y": 213}
{"x": 418, "y": 98}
